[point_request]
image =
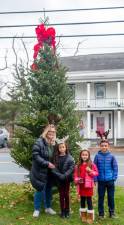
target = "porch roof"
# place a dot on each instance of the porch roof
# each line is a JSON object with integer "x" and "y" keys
{"x": 93, "y": 62}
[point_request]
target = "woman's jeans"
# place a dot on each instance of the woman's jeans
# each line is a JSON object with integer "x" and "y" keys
{"x": 43, "y": 196}
{"x": 102, "y": 187}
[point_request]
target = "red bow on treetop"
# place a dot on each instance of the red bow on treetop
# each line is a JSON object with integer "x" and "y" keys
{"x": 44, "y": 35}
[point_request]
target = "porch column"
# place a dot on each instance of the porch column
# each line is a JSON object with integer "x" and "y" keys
{"x": 88, "y": 124}
{"x": 88, "y": 94}
{"x": 119, "y": 124}
{"x": 119, "y": 92}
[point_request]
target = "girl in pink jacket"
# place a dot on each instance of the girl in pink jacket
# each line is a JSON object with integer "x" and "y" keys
{"x": 84, "y": 175}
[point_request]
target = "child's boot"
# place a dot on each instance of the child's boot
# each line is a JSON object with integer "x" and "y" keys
{"x": 62, "y": 214}
{"x": 83, "y": 214}
{"x": 90, "y": 216}
{"x": 67, "y": 213}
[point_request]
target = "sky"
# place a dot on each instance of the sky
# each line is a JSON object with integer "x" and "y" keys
{"x": 67, "y": 46}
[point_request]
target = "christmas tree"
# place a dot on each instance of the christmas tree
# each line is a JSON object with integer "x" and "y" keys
{"x": 50, "y": 100}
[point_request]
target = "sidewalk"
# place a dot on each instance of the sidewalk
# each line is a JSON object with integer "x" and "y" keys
{"x": 4, "y": 150}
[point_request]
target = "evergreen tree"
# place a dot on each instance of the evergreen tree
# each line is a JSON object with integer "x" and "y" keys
{"x": 49, "y": 100}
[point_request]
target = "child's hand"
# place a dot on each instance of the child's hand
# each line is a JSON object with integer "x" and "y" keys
{"x": 81, "y": 181}
{"x": 88, "y": 169}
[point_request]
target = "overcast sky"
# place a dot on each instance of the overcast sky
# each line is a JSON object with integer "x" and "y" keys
{"x": 90, "y": 45}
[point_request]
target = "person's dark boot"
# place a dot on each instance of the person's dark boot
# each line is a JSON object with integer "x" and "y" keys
{"x": 62, "y": 214}
{"x": 67, "y": 213}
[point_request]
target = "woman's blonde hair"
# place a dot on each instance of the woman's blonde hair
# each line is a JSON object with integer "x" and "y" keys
{"x": 47, "y": 128}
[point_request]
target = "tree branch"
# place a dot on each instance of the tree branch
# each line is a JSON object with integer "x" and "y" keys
{"x": 78, "y": 45}
{"x": 5, "y": 67}
{"x": 26, "y": 52}
{"x": 16, "y": 57}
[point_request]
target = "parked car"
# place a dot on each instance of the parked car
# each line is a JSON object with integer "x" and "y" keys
{"x": 4, "y": 137}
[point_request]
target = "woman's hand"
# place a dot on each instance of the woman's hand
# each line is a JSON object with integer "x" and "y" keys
{"x": 51, "y": 166}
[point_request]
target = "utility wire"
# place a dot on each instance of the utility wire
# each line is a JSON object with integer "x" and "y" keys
{"x": 64, "y": 24}
{"x": 63, "y": 10}
{"x": 66, "y": 36}
{"x": 81, "y": 48}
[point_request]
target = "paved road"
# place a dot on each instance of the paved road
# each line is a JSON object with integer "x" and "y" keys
{"x": 10, "y": 172}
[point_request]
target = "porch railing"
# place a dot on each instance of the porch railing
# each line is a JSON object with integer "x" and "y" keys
{"x": 107, "y": 103}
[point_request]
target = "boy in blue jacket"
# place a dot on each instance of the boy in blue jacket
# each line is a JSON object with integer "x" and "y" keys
{"x": 108, "y": 172}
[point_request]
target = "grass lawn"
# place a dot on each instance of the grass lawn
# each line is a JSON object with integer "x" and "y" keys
{"x": 16, "y": 208}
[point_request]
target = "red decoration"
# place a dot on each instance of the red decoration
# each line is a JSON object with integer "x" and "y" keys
{"x": 34, "y": 66}
{"x": 44, "y": 35}
{"x": 36, "y": 50}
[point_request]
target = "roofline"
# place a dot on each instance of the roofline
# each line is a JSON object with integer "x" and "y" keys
{"x": 101, "y": 75}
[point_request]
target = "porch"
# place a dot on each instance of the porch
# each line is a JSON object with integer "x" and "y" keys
{"x": 104, "y": 103}
{"x": 104, "y": 119}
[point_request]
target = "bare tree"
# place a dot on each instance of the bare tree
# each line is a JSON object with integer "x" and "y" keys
{"x": 11, "y": 107}
{"x": 78, "y": 46}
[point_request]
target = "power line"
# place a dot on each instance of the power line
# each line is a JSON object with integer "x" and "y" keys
{"x": 65, "y": 36}
{"x": 64, "y": 24}
{"x": 21, "y": 48}
{"x": 63, "y": 10}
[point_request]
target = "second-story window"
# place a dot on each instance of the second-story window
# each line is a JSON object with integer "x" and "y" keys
{"x": 100, "y": 90}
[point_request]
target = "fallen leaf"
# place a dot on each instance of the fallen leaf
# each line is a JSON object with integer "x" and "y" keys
{"x": 20, "y": 218}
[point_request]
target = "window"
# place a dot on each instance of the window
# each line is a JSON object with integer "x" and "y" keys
{"x": 100, "y": 90}
{"x": 91, "y": 121}
{"x": 72, "y": 87}
{"x": 109, "y": 122}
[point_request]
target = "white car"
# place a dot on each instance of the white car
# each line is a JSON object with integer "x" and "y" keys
{"x": 4, "y": 137}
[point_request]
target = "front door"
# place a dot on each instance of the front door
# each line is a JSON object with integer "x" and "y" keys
{"x": 100, "y": 124}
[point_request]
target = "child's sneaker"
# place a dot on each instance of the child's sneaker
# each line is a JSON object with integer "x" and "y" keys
{"x": 113, "y": 216}
{"x": 50, "y": 211}
{"x": 36, "y": 213}
{"x": 101, "y": 216}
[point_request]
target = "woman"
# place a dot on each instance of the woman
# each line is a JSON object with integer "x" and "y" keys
{"x": 41, "y": 163}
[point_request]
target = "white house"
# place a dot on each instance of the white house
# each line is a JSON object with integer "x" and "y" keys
{"x": 98, "y": 83}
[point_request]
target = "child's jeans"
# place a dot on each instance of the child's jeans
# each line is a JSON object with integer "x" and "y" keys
{"x": 89, "y": 202}
{"x": 43, "y": 196}
{"x": 64, "y": 196}
{"x": 102, "y": 187}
